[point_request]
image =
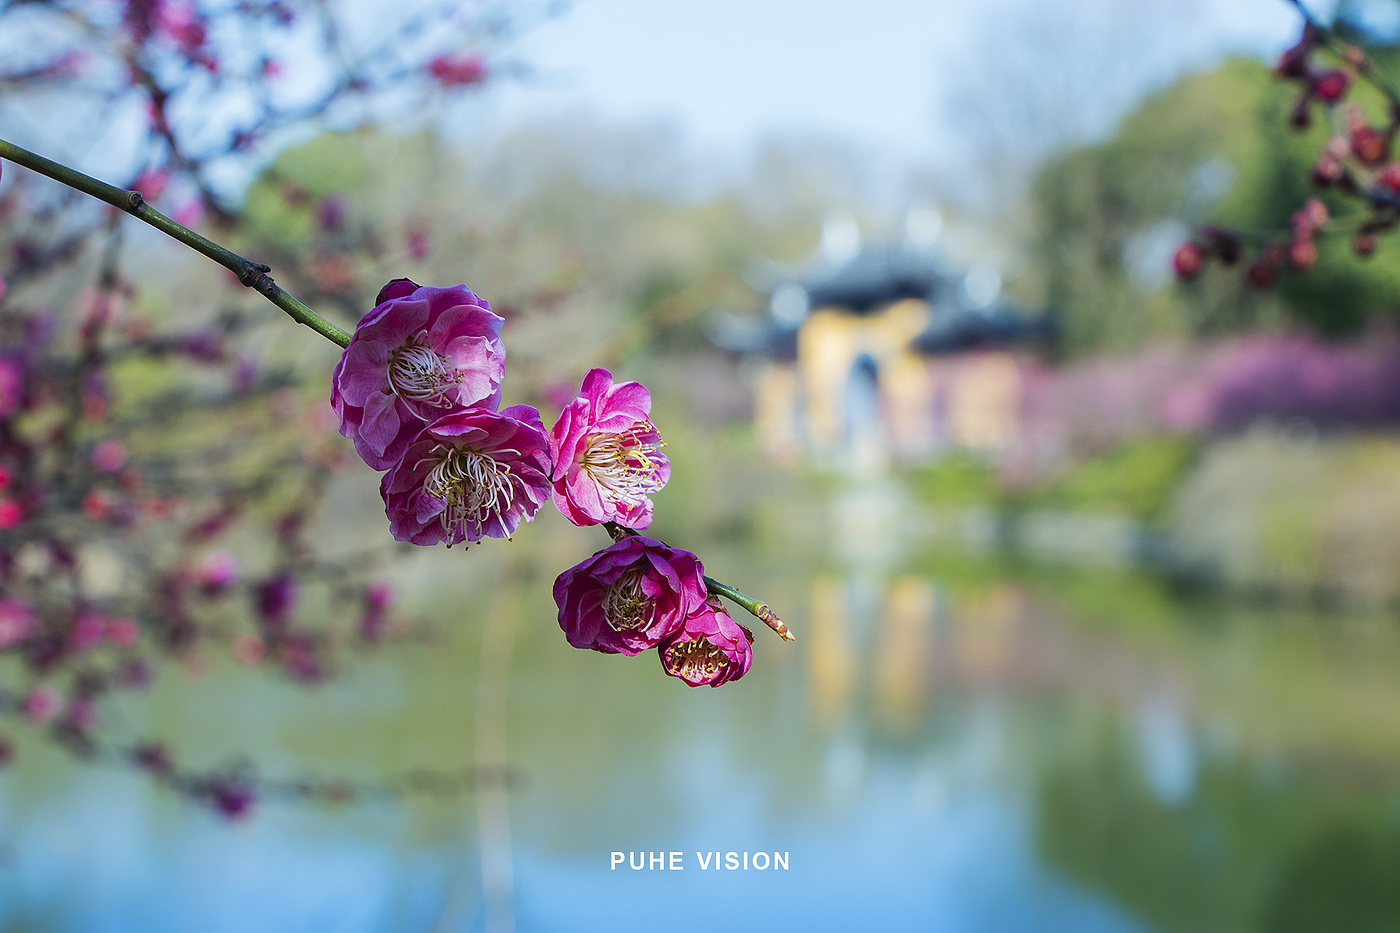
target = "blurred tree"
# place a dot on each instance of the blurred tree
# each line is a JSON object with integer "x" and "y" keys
{"x": 161, "y": 472}
{"x": 1214, "y": 148}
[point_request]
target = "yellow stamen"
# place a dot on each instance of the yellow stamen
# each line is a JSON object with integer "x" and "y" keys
{"x": 626, "y": 607}
{"x": 698, "y": 659}
{"x": 625, "y": 466}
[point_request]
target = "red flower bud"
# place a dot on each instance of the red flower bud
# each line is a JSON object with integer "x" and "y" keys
{"x": 1327, "y": 170}
{"x": 1389, "y": 177}
{"x": 1370, "y": 145}
{"x": 1302, "y": 254}
{"x": 1364, "y": 244}
{"x": 1299, "y": 117}
{"x": 1331, "y": 85}
{"x": 1316, "y": 212}
{"x": 1293, "y": 63}
{"x": 1222, "y": 243}
{"x": 1188, "y": 261}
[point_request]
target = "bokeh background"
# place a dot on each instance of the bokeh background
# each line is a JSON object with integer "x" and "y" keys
{"x": 1094, "y": 573}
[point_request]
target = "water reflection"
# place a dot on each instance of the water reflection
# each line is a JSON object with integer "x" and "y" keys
{"x": 954, "y": 744}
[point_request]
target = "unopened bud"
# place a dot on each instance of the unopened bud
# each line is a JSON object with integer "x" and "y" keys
{"x": 1364, "y": 244}
{"x": 1369, "y": 145}
{"x": 1302, "y": 254}
{"x": 1188, "y": 261}
{"x": 1299, "y": 117}
{"x": 1328, "y": 170}
{"x": 1331, "y": 85}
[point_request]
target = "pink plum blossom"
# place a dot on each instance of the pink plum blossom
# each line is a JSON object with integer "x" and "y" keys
{"x": 123, "y": 632}
{"x": 710, "y": 648}
{"x": 87, "y": 631}
{"x": 16, "y": 621}
{"x": 607, "y": 454}
{"x": 43, "y": 704}
{"x": 471, "y": 474}
{"x": 218, "y": 573}
{"x": 629, "y": 597}
{"x": 420, "y": 354}
{"x": 109, "y": 456}
{"x": 11, "y": 387}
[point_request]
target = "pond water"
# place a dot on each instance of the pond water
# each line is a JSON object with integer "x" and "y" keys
{"x": 955, "y": 743}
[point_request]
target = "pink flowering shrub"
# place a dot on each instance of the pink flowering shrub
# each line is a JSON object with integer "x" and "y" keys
{"x": 629, "y": 597}
{"x": 420, "y": 354}
{"x": 607, "y": 454}
{"x": 16, "y": 621}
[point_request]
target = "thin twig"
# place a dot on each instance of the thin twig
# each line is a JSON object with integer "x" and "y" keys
{"x": 254, "y": 275}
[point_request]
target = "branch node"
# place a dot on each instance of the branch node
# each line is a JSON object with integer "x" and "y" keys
{"x": 255, "y": 276}
{"x": 134, "y": 200}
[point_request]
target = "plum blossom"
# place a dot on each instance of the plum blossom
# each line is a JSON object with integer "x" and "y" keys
{"x": 629, "y": 597}
{"x": 710, "y": 648}
{"x": 43, "y": 704}
{"x": 607, "y": 454}
{"x": 422, "y": 353}
{"x": 471, "y": 474}
{"x": 16, "y": 621}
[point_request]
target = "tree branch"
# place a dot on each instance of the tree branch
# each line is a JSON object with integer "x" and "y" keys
{"x": 253, "y": 275}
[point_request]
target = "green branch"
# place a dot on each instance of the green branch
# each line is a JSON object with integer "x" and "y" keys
{"x": 253, "y": 275}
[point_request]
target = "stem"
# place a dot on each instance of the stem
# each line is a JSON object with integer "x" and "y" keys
{"x": 758, "y": 610}
{"x": 251, "y": 274}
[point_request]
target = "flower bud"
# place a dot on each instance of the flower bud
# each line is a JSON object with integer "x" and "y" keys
{"x": 1331, "y": 85}
{"x": 1389, "y": 177}
{"x": 1369, "y": 145}
{"x": 1364, "y": 244}
{"x": 1328, "y": 170}
{"x": 1188, "y": 261}
{"x": 1222, "y": 243}
{"x": 1302, "y": 254}
{"x": 1300, "y": 118}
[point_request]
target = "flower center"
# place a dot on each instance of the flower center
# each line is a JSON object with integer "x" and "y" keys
{"x": 626, "y": 607}
{"x": 474, "y": 486}
{"x": 626, "y": 466}
{"x": 417, "y": 373}
{"x": 698, "y": 659}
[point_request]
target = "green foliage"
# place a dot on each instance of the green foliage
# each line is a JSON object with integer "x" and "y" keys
{"x": 1137, "y": 479}
{"x": 1243, "y": 851}
{"x": 957, "y": 479}
{"x": 1098, "y": 202}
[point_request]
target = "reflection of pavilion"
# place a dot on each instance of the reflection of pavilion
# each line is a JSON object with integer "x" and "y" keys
{"x": 888, "y": 353}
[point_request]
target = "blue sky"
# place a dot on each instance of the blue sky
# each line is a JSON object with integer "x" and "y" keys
{"x": 724, "y": 73}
